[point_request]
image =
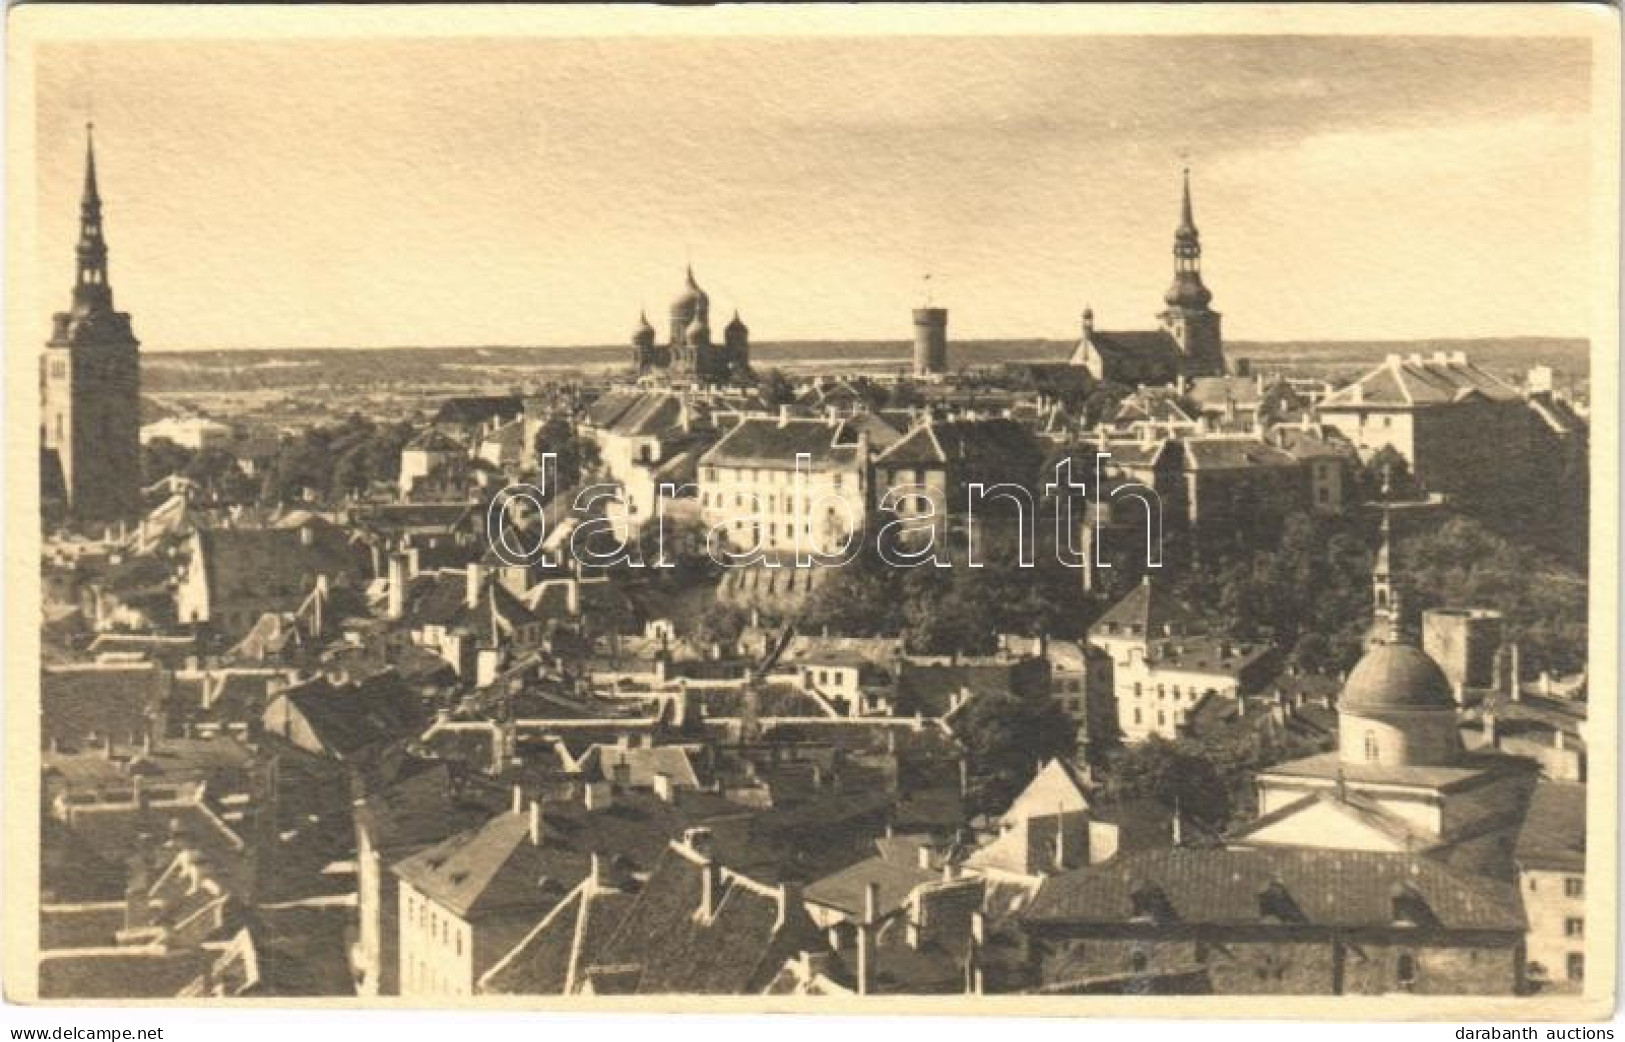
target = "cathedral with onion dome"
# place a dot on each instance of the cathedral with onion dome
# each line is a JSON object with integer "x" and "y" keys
{"x": 690, "y": 352}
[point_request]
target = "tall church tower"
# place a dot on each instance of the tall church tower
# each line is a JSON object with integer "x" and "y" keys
{"x": 91, "y": 382}
{"x": 1188, "y": 319}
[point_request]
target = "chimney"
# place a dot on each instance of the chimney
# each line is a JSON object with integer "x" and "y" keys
{"x": 789, "y": 904}
{"x": 518, "y": 799}
{"x": 784, "y": 415}
{"x": 397, "y": 585}
{"x": 866, "y": 939}
{"x": 476, "y": 583}
{"x": 1492, "y": 740}
{"x": 572, "y": 595}
{"x": 978, "y": 937}
{"x": 1088, "y": 322}
{"x": 664, "y": 790}
{"x": 595, "y": 873}
{"x": 535, "y": 823}
{"x": 307, "y": 534}
{"x": 925, "y": 857}
{"x": 486, "y": 663}
{"x": 1514, "y": 671}
{"x": 598, "y": 795}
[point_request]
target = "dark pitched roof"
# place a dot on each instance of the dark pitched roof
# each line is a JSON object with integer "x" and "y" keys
{"x": 664, "y": 947}
{"x": 993, "y": 443}
{"x": 1554, "y": 829}
{"x": 1414, "y": 381}
{"x": 1234, "y": 454}
{"x": 479, "y": 409}
{"x": 759, "y": 441}
{"x": 1149, "y": 610}
{"x": 494, "y": 868}
{"x": 257, "y": 562}
{"x": 80, "y": 700}
{"x": 350, "y": 718}
{"x": 1220, "y": 886}
{"x": 1143, "y": 345}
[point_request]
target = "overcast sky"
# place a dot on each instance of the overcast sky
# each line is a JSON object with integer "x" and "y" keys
{"x": 542, "y": 191}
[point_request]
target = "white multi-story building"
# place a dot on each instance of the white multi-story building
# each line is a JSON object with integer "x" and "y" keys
{"x": 1162, "y": 667}
{"x": 786, "y": 486}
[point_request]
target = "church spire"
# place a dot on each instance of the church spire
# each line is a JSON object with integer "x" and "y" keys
{"x": 1387, "y": 622}
{"x": 1187, "y": 290}
{"x": 91, "y": 291}
{"x": 1186, "y": 222}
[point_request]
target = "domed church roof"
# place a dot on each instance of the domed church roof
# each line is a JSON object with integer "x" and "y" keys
{"x": 692, "y": 300}
{"x": 1396, "y": 676}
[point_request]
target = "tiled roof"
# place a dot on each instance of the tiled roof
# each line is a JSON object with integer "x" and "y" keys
{"x": 1554, "y": 829}
{"x": 259, "y": 562}
{"x": 81, "y": 700}
{"x": 663, "y": 947}
{"x": 845, "y": 890}
{"x": 1149, "y": 610}
{"x": 1220, "y": 886}
{"x": 1416, "y": 381}
{"x": 998, "y": 444}
{"x": 566, "y": 941}
{"x": 1149, "y": 345}
{"x": 1233, "y": 454}
{"x": 771, "y": 443}
{"x": 1218, "y": 391}
{"x": 495, "y": 868}
{"x": 350, "y": 718}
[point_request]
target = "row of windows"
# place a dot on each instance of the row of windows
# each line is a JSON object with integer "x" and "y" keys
{"x": 1164, "y": 691}
{"x": 762, "y": 475}
{"x": 1573, "y": 886}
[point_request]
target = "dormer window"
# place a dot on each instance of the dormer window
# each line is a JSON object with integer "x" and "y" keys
{"x": 1150, "y": 902}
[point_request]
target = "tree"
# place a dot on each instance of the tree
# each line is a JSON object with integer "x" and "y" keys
{"x": 576, "y": 457}
{"x": 162, "y": 457}
{"x": 1006, "y": 739}
{"x": 775, "y": 389}
{"x": 1179, "y": 775}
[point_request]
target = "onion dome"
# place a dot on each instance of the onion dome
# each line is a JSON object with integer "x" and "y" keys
{"x": 697, "y": 332}
{"x": 736, "y": 327}
{"x": 692, "y": 300}
{"x": 1396, "y": 677}
{"x": 644, "y": 333}
{"x": 1188, "y": 291}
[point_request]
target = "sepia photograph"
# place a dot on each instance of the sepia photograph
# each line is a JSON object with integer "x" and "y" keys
{"x": 1064, "y": 511}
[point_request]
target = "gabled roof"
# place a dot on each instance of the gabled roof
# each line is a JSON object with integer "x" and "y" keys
{"x": 1415, "y": 381}
{"x": 108, "y": 701}
{"x": 1554, "y": 828}
{"x": 476, "y": 409}
{"x": 763, "y": 442}
{"x": 1233, "y": 453}
{"x": 551, "y": 958}
{"x": 991, "y": 443}
{"x": 1145, "y": 345}
{"x": 351, "y": 718}
{"x": 1055, "y": 789}
{"x": 663, "y": 946}
{"x": 1149, "y": 610}
{"x": 1221, "y": 886}
{"x": 648, "y": 414}
{"x": 845, "y": 890}
{"x": 256, "y": 562}
{"x": 495, "y": 868}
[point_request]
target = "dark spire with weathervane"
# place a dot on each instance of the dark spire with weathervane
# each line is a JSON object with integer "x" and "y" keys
{"x": 1187, "y": 290}
{"x": 91, "y": 290}
{"x": 1387, "y": 611}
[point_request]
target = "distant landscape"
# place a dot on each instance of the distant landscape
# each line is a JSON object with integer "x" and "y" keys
{"x": 496, "y": 366}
